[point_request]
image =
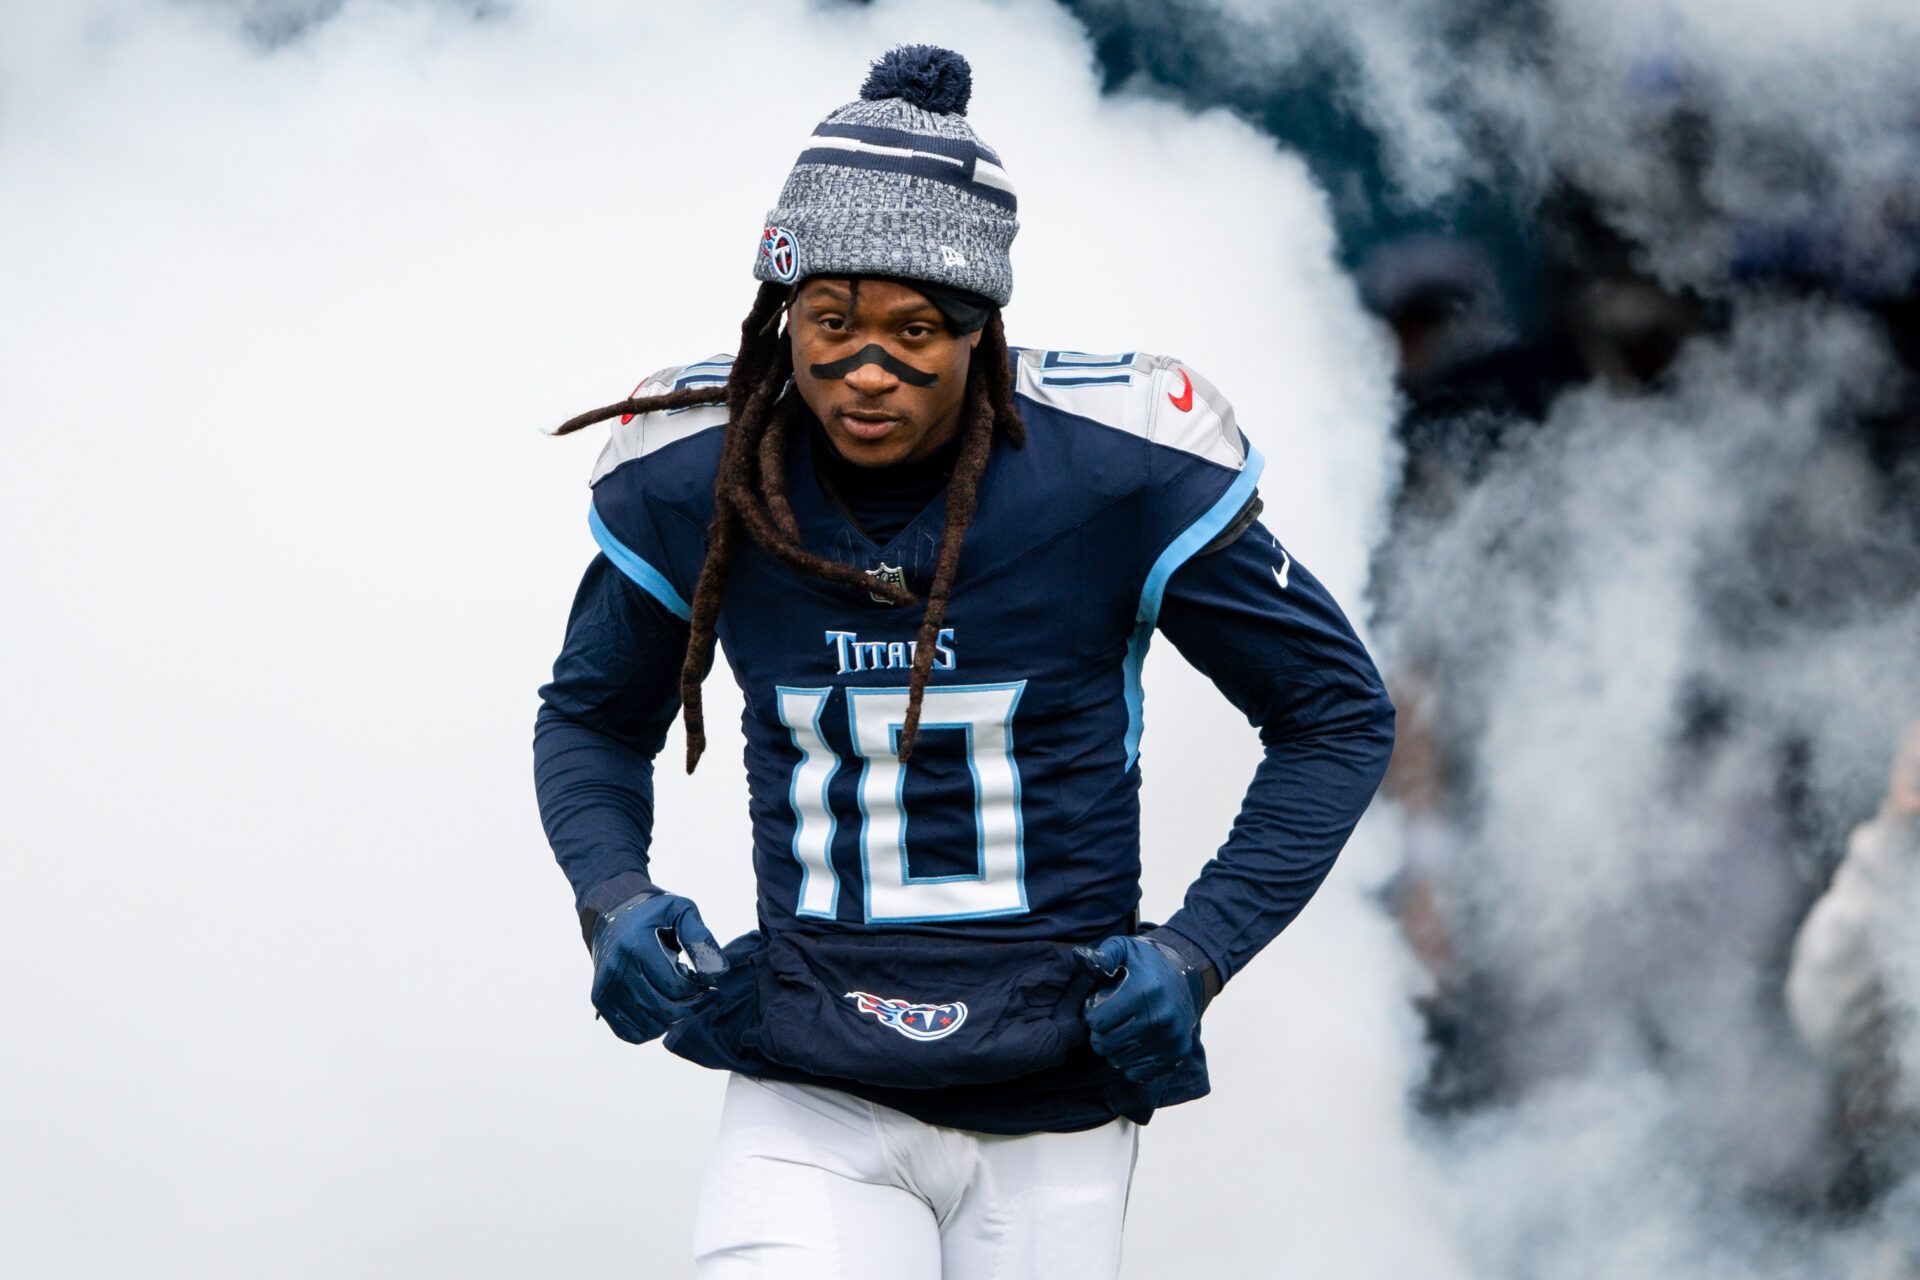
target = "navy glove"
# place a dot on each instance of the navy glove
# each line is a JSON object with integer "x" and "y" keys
{"x": 640, "y": 984}
{"x": 1144, "y": 1023}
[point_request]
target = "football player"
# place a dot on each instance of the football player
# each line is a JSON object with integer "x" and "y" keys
{"x": 935, "y": 563}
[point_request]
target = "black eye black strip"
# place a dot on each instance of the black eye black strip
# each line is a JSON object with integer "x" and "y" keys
{"x": 874, "y": 353}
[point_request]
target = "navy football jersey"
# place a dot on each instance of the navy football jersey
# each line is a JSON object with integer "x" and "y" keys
{"x": 932, "y": 903}
{"x": 1019, "y": 813}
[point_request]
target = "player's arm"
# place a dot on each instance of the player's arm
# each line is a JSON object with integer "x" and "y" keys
{"x": 602, "y": 719}
{"x": 1274, "y": 642}
{"x": 1266, "y": 632}
{"x": 1218, "y": 584}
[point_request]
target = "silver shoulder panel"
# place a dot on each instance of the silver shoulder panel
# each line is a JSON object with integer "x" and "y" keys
{"x": 1158, "y": 398}
{"x": 638, "y": 436}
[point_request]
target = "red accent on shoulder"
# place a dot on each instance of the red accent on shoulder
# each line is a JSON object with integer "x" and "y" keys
{"x": 625, "y": 418}
{"x": 1184, "y": 401}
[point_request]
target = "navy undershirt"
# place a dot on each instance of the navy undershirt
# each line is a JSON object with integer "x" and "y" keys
{"x": 881, "y": 501}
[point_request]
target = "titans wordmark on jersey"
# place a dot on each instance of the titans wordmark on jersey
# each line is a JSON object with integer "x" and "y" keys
{"x": 1018, "y": 815}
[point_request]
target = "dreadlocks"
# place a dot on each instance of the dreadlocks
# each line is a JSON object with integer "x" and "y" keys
{"x": 750, "y": 490}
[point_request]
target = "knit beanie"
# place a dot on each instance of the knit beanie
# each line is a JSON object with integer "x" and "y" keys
{"x": 897, "y": 184}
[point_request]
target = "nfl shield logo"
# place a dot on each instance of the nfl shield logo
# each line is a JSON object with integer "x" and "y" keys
{"x": 892, "y": 574}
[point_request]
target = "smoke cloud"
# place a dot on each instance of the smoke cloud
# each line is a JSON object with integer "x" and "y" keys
{"x": 1696, "y": 124}
{"x": 1652, "y": 612}
{"x": 1668, "y": 636}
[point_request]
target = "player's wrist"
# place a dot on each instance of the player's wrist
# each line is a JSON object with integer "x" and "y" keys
{"x": 599, "y": 902}
{"x": 1193, "y": 965}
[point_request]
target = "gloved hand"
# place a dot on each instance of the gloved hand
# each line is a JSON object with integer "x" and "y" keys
{"x": 1144, "y": 1024}
{"x": 641, "y": 986}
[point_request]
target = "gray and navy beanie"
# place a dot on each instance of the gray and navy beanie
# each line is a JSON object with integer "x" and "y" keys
{"x": 897, "y": 185}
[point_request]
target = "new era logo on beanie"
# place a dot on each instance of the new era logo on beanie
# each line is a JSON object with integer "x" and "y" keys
{"x": 897, "y": 184}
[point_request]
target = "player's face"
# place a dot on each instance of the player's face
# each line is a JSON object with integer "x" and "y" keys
{"x": 885, "y": 377}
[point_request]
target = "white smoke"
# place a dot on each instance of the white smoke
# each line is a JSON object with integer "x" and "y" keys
{"x": 1634, "y": 888}
{"x": 1694, "y": 123}
{"x": 1673, "y": 634}
{"x": 292, "y": 985}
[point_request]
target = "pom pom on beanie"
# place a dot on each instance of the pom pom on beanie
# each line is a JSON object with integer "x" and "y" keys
{"x": 922, "y": 75}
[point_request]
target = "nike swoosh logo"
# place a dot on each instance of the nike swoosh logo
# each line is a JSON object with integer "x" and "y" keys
{"x": 1286, "y": 567}
{"x": 1184, "y": 401}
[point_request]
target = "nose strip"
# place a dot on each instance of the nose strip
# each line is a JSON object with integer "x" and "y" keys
{"x": 874, "y": 353}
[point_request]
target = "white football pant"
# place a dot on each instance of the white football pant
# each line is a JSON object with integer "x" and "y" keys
{"x": 808, "y": 1183}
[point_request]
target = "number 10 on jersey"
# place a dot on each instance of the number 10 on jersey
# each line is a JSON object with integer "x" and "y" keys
{"x": 984, "y": 714}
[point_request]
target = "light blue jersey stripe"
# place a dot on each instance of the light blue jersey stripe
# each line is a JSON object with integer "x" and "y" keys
{"x": 650, "y": 579}
{"x": 1178, "y": 552}
{"x": 1199, "y": 534}
{"x": 1136, "y": 699}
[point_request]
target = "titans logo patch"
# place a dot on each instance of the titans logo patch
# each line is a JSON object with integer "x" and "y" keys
{"x": 781, "y": 253}
{"x": 914, "y": 1021}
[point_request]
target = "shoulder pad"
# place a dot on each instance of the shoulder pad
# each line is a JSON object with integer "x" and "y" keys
{"x": 635, "y": 436}
{"x": 1157, "y": 398}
